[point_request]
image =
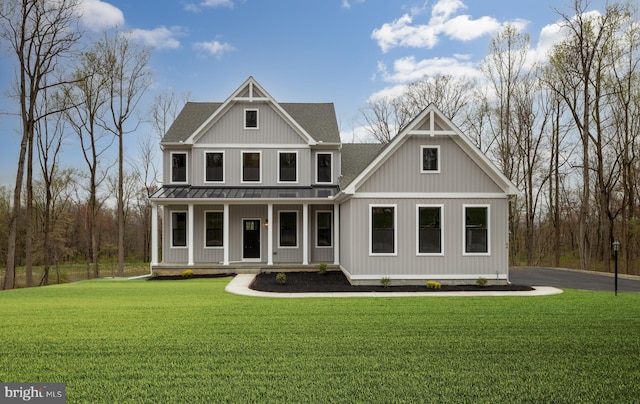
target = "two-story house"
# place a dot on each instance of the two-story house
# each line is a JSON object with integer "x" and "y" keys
{"x": 252, "y": 184}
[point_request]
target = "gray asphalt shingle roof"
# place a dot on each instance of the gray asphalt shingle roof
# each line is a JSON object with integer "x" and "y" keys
{"x": 355, "y": 158}
{"x": 318, "y": 119}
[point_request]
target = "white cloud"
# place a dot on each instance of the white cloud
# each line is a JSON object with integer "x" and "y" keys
{"x": 196, "y": 7}
{"x": 408, "y": 69}
{"x": 159, "y": 38}
{"x": 349, "y": 3}
{"x": 98, "y": 15}
{"x": 215, "y": 48}
{"x": 404, "y": 32}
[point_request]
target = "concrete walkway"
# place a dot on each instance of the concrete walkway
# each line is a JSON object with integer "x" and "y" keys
{"x": 239, "y": 285}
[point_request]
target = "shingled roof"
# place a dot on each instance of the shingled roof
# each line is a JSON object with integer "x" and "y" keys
{"x": 318, "y": 119}
{"x": 355, "y": 158}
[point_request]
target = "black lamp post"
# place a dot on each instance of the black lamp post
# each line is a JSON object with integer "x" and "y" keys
{"x": 616, "y": 247}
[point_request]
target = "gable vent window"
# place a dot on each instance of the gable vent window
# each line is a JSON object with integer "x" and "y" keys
{"x": 251, "y": 119}
{"x": 430, "y": 159}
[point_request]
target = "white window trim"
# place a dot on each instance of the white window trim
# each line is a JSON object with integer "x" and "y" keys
{"x": 464, "y": 230}
{"x": 422, "y": 170}
{"x": 244, "y": 117}
{"x": 186, "y": 167}
{"x": 278, "y": 164}
{"x": 242, "y": 153}
{"x": 395, "y": 230}
{"x": 441, "y": 253}
{"x": 224, "y": 172}
{"x": 206, "y": 247}
{"x": 318, "y": 171}
{"x": 186, "y": 229}
{"x": 330, "y": 212}
{"x": 280, "y": 212}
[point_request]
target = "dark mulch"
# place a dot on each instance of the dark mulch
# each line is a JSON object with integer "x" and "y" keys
{"x": 195, "y": 276}
{"x": 335, "y": 281}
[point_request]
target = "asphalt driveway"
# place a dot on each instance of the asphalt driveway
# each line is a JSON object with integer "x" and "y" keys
{"x": 570, "y": 279}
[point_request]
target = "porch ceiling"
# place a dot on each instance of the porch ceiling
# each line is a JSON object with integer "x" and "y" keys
{"x": 254, "y": 193}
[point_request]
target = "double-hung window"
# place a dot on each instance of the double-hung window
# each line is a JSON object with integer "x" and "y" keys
{"x": 382, "y": 226}
{"x": 251, "y": 167}
{"x": 178, "y": 167}
{"x": 288, "y": 228}
{"x": 429, "y": 230}
{"x": 476, "y": 229}
{"x": 214, "y": 166}
{"x": 323, "y": 169}
{"x": 287, "y": 167}
{"x": 213, "y": 234}
{"x": 178, "y": 229}
{"x": 324, "y": 231}
{"x": 430, "y": 159}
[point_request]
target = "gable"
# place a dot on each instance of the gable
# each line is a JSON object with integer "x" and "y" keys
{"x": 229, "y": 128}
{"x": 432, "y": 124}
{"x": 312, "y": 122}
{"x": 401, "y": 172}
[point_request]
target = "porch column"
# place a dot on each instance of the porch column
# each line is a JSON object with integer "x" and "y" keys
{"x": 225, "y": 233}
{"x": 305, "y": 234}
{"x": 270, "y": 234}
{"x": 154, "y": 234}
{"x": 191, "y": 233}
{"x": 336, "y": 234}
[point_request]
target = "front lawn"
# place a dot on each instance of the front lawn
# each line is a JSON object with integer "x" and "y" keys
{"x": 189, "y": 341}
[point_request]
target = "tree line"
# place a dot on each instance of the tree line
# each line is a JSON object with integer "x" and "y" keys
{"x": 69, "y": 83}
{"x": 564, "y": 128}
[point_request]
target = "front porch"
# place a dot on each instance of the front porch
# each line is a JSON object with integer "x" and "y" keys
{"x": 245, "y": 236}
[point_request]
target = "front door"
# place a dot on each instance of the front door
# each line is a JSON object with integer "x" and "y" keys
{"x": 251, "y": 239}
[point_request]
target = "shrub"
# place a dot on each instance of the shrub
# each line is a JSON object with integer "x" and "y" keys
{"x": 281, "y": 278}
{"x": 481, "y": 282}
{"x": 386, "y": 282}
{"x": 186, "y": 274}
{"x": 322, "y": 268}
{"x": 433, "y": 285}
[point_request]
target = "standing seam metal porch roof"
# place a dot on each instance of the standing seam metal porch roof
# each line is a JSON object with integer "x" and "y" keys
{"x": 188, "y": 192}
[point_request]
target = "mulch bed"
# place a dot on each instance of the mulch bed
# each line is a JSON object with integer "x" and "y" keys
{"x": 335, "y": 281}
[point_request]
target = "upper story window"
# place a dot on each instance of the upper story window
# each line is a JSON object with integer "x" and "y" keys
{"x": 251, "y": 119}
{"x": 178, "y": 167}
{"x": 324, "y": 170}
{"x": 214, "y": 166}
{"x": 251, "y": 167}
{"x": 430, "y": 159}
{"x": 287, "y": 167}
{"x": 476, "y": 229}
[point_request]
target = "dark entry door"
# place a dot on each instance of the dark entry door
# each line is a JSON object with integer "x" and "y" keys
{"x": 251, "y": 237}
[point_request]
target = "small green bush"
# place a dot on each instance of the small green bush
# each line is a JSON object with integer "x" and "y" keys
{"x": 433, "y": 285}
{"x": 386, "y": 282}
{"x": 322, "y": 268}
{"x": 281, "y": 278}
{"x": 481, "y": 282}
{"x": 187, "y": 273}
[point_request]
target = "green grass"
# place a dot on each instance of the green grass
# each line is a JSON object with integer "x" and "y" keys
{"x": 189, "y": 341}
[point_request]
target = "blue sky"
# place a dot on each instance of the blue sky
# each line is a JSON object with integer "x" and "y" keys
{"x": 340, "y": 51}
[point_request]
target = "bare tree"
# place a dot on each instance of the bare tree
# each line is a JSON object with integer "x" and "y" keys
{"x": 165, "y": 108}
{"x": 39, "y": 33}
{"x": 126, "y": 69}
